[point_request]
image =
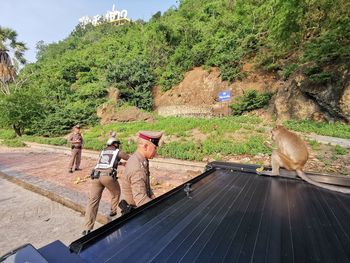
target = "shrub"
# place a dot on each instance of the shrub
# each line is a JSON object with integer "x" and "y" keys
{"x": 251, "y": 100}
{"x": 289, "y": 70}
{"x": 322, "y": 77}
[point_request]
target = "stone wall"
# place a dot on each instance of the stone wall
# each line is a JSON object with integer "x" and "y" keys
{"x": 185, "y": 110}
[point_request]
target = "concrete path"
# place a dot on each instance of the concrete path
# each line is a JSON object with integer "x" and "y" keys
{"x": 43, "y": 169}
{"x": 27, "y": 217}
{"x": 47, "y": 174}
{"x": 345, "y": 143}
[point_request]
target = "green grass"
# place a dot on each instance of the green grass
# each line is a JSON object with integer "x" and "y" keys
{"x": 7, "y": 134}
{"x": 315, "y": 145}
{"x": 182, "y": 150}
{"x": 234, "y": 135}
{"x": 251, "y": 145}
{"x": 13, "y": 143}
{"x": 186, "y": 148}
{"x": 60, "y": 141}
{"x": 179, "y": 127}
{"x": 337, "y": 129}
{"x": 340, "y": 150}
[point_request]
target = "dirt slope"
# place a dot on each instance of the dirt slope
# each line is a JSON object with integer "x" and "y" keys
{"x": 201, "y": 87}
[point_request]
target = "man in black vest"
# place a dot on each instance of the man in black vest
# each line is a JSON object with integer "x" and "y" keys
{"x": 104, "y": 175}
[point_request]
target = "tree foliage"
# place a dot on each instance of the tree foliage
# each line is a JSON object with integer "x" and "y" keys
{"x": 19, "y": 109}
{"x": 8, "y": 65}
{"x": 74, "y": 74}
{"x": 135, "y": 80}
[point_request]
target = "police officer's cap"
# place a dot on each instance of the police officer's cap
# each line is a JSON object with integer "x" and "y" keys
{"x": 151, "y": 136}
{"x": 112, "y": 141}
{"x": 77, "y": 126}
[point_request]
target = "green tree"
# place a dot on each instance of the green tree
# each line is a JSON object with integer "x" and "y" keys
{"x": 135, "y": 80}
{"x": 9, "y": 43}
{"x": 41, "y": 48}
{"x": 279, "y": 34}
{"x": 19, "y": 109}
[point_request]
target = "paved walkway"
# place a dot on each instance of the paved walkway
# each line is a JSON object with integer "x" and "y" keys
{"x": 46, "y": 173}
{"x": 27, "y": 217}
{"x": 345, "y": 143}
{"x": 43, "y": 169}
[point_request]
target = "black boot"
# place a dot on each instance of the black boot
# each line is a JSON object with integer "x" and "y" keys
{"x": 85, "y": 232}
{"x": 112, "y": 213}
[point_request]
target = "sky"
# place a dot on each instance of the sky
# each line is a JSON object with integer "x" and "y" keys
{"x": 54, "y": 20}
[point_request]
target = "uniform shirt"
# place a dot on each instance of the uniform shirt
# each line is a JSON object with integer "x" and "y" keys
{"x": 75, "y": 137}
{"x": 135, "y": 182}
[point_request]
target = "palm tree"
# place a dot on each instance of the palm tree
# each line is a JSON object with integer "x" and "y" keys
{"x": 9, "y": 43}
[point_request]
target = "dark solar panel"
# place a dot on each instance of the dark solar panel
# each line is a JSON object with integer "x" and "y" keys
{"x": 230, "y": 216}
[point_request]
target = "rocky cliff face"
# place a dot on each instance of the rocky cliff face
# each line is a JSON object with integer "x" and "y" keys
{"x": 291, "y": 103}
{"x": 321, "y": 96}
{"x": 344, "y": 103}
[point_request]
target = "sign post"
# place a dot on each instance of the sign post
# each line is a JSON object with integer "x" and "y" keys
{"x": 225, "y": 96}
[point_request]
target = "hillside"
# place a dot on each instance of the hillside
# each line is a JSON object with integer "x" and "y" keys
{"x": 302, "y": 45}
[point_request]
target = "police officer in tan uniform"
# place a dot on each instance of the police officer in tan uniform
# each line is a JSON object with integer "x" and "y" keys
{"x": 76, "y": 141}
{"x": 104, "y": 175}
{"x": 135, "y": 182}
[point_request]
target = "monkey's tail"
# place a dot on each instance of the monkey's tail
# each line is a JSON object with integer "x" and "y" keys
{"x": 303, "y": 176}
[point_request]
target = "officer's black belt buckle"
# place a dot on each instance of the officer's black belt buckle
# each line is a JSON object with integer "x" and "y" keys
{"x": 113, "y": 173}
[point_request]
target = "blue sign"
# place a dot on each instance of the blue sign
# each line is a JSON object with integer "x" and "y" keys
{"x": 224, "y": 95}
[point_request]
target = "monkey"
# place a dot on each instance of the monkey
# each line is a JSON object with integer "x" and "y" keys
{"x": 292, "y": 154}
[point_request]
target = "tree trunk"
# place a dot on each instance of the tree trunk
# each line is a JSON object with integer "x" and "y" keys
{"x": 17, "y": 130}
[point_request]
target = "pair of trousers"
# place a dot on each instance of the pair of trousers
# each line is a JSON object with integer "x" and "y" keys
{"x": 75, "y": 158}
{"x": 96, "y": 188}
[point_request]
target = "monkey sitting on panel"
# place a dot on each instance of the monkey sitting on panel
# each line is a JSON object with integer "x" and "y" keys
{"x": 292, "y": 154}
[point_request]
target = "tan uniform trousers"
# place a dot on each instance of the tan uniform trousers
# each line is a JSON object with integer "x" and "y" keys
{"x": 75, "y": 158}
{"x": 96, "y": 188}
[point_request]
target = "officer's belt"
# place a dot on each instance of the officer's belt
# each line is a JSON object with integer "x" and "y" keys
{"x": 76, "y": 146}
{"x": 95, "y": 174}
